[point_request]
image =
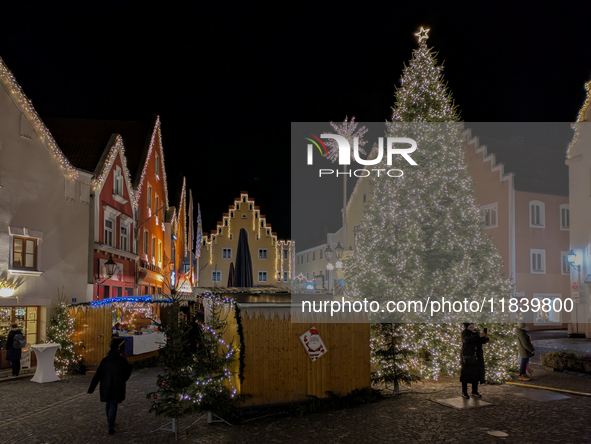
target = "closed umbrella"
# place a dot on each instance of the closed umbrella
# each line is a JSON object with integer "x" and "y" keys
{"x": 231, "y": 275}
{"x": 243, "y": 269}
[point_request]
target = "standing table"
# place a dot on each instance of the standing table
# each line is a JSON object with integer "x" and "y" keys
{"x": 45, "y": 367}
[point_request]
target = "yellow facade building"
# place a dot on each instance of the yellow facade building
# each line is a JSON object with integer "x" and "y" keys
{"x": 273, "y": 260}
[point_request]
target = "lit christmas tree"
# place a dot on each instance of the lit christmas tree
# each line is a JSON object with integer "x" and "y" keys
{"x": 196, "y": 380}
{"x": 60, "y": 331}
{"x": 422, "y": 236}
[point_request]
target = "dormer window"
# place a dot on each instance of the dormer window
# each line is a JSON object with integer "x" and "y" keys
{"x": 157, "y": 167}
{"x": 118, "y": 182}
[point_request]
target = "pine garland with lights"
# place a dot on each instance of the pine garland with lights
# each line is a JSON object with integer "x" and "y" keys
{"x": 422, "y": 234}
{"x": 60, "y": 331}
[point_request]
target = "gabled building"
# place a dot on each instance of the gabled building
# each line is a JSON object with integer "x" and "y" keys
{"x": 44, "y": 218}
{"x": 273, "y": 260}
{"x": 578, "y": 160}
{"x": 105, "y": 148}
{"x": 151, "y": 205}
{"x": 525, "y": 208}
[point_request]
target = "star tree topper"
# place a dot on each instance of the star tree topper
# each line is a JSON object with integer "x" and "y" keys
{"x": 422, "y": 34}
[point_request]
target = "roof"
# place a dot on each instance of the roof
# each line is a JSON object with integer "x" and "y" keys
{"x": 83, "y": 141}
{"x": 537, "y": 169}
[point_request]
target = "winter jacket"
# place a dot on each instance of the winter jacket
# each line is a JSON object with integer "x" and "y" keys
{"x": 472, "y": 345}
{"x": 526, "y": 348}
{"x": 13, "y": 354}
{"x": 113, "y": 372}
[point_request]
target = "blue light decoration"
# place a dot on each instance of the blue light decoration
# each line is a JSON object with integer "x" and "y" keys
{"x": 172, "y": 278}
{"x": 144, "y": 299}
{"x": 310, "y": 286}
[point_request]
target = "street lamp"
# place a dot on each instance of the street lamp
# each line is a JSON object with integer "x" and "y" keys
{"x": 573, "y": 261}
{"x": 338, "y": 250}
{"x": 328, "y": 252}
{"x": 571, "y": 258}
{"x": 110, "y": 269}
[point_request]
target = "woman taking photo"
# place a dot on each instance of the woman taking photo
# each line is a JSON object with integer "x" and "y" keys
{"x": 472, "y": 360}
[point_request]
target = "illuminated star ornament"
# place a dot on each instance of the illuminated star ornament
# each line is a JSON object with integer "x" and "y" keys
{"x": 422, "y": 34}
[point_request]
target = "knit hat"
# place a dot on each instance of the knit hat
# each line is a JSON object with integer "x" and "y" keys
{"x": 467, "y": 324}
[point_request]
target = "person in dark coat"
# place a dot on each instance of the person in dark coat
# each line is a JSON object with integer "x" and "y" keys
{"x": 472, "y": 360}
{"x": 113, "y": 372}
{"x": 526, "y": 350}
{"x": 12, "y": 353}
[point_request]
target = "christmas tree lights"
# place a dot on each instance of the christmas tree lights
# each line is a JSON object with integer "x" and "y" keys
{"x": 61, "y": 331}
{"x": 422, "y": 237}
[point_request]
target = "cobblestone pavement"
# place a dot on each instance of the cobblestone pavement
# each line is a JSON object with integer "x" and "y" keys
{"x": 62, "y": 412}
{"x": 546, "y": 341}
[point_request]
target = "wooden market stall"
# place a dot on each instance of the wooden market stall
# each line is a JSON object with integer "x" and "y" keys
{"x": 133, "y": 319}
{"x": 277, "y": 366}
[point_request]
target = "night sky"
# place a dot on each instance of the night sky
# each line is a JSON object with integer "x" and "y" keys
{"x": 228, "y": 78}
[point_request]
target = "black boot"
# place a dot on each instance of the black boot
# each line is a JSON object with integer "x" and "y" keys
{"x": 465, "y": 395}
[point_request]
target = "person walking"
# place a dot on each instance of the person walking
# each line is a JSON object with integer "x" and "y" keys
{"x": 473, "y": 370}
{"x": 113, "y": 373}
{"x": 13, "y": 351}
{"x": 526, "y": 350}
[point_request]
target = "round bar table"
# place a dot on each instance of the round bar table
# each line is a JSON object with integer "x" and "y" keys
{"x": 45, "y": 354}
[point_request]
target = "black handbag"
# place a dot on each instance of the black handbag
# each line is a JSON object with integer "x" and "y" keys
{"x": 470, "y": 360}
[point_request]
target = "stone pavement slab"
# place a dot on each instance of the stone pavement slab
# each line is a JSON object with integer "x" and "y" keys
{"x": 461, "y": 403}
{"x": 541, "y": 395}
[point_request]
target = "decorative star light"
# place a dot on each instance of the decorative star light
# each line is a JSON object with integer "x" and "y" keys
{"x": 422, "y": 34}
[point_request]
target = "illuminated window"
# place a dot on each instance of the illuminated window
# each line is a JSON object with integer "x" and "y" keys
{"x": 24, "y": 253}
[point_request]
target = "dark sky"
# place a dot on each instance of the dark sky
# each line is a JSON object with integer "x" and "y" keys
{"x": 227, "y": 78}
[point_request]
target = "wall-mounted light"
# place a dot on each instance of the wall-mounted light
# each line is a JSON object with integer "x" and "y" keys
{"x": 110, "y": 269}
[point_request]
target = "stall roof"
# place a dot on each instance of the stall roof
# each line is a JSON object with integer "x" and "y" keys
{"x": 272, "y": 296}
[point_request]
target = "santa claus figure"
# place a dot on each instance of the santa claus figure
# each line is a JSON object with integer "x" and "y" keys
{"x": 313, "y": 343}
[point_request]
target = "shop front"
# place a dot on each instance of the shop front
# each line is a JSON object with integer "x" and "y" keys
{"x": 27, "y": 319}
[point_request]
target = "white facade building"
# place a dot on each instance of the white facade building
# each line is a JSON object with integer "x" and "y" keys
{"x": 579, "y": 163}
{"x": 44, "y": 218}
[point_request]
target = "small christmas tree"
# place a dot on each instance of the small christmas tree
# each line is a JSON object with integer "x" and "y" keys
{"x": 175, "y": 384}
{"x": 60, "y": 331}
{"x": 196, "y": 380}
{"x": 389, "y": 356}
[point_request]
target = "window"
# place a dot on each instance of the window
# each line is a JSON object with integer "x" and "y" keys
{"x": 129, "y": 291}
{"x": 536, "y": 214}
{"x": 146, "y": 243}
{"x": 356, "y": 229}
{"x": 489, "y": 215}
{"x": 307, "y": 275}
{"x": 216, "y": 276}
{"x": 118, "y": 182}
{"x": 160, "y": 251}
{"x": 24, "y": 253}
{"x": 307, "y": 257}
{"x": 564, "y": 262}
{"x": 243, "y": 215}
{"x": 226, "y": 253}
{"x": 157, "y": 166}
{"x": 117, "y": 292}
{"x": 564, "y": 217}
{"x": 262, "y": 253}
{"x": 262, "y": 276}
{"x": 123, "y": 238}
{"x": 538, "y": 261}
{"x": 103, "y": 292}
{"x": 149, "y": 196}
{"x": 364, "y": 197}
{"x": 320, "y": 254}
{"x": 156, "y": 206}
{"x": 285, "y": 276}
{"x": 546, "y": 313}
{"x": 153, "y": 246}
{"x": 314, "y": 255}
{"x": 108, "y": 235}
{"x": 285, "y": 253}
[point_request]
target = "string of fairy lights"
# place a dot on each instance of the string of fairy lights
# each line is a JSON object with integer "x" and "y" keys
{"x": 26, "y": 106}
{"x": 580, "y": 118}
{"x": 117, "y": 149}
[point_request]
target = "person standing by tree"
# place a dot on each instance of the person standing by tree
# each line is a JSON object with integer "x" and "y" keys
{"x": 113, "y": 373}
{"x": 472, "y": 360}
{"x": 526, "y": 350}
